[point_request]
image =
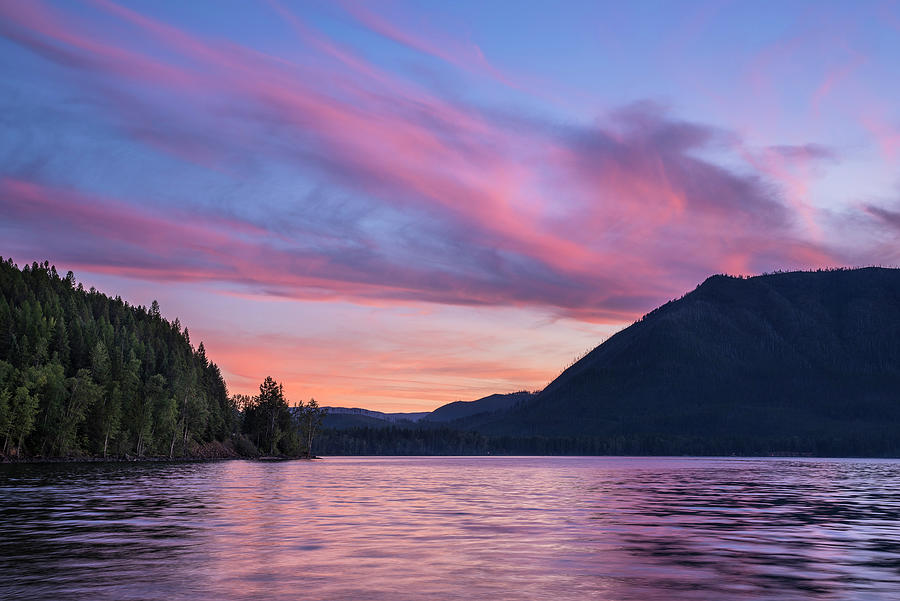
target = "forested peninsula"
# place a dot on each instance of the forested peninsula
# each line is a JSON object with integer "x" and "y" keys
{"x": 86, "y": 375}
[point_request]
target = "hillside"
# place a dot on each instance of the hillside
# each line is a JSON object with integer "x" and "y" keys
{"x": 85, "y": 374}
{"x": 344, "y": 417}
{"x": 488, "y": 404}
{"x": 787, "y": 362}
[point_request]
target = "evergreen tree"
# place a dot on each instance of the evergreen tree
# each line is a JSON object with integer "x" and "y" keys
{"x": 271, "y": 403}
{"x": 23, "y": 410}
{"x": 83, "y": 394}
{"x": 5, "y": 417}
{"x": 311, "y": 417}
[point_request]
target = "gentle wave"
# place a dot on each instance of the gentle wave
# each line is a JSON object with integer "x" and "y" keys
{"x": 453, "y": 528}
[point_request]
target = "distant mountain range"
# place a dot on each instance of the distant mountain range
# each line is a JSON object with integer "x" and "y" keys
{"x": 343, "y": 417}
{"x": 487, "y": 405}
{"x": 347, "y": 417}
{"x": 795, "y": 362}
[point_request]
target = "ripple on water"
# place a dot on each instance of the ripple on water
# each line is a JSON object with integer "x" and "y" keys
{"x": 453, "y": 528}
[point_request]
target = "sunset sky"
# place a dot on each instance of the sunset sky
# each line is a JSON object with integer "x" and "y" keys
{"x": 397, "y": 205}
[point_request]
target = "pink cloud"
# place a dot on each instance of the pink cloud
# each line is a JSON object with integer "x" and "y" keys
{"x": 599, "y": 221}
{"x": 468, "y": 57}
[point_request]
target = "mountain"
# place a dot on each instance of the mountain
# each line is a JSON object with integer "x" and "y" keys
{"x": 798, "y": 362}
{"x": 345, "y": 417}
{"x": 488, "y": 404}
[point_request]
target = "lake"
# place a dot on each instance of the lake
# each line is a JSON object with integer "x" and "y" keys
{"x": 397, "y": 528}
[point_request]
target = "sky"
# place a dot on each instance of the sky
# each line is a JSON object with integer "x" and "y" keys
{"x": 395, "y": 205}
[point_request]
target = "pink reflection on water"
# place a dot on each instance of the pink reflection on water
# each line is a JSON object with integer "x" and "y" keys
{"x": 403, "y": 528}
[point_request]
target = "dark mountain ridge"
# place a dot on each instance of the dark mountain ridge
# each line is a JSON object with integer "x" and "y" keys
{"x": 341, "y": 418}
{"x": 488, "y": 404}
{"x": 353, "y": 417}
{"x": 794, "y": 361}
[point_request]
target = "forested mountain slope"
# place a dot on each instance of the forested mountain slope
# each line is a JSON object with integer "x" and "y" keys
{"x": 83, "y": 373}
{"x": 801, "y": 361}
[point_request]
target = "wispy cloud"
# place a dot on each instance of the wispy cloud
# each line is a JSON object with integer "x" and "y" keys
{"x": 599, "y": 221}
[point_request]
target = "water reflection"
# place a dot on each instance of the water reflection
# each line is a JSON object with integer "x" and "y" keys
{"x": 453, "y": 528}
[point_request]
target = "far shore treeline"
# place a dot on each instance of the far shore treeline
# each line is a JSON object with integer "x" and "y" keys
{"x": 83, "y": 374}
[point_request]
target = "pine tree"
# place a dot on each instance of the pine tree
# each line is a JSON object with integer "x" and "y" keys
{"x": 83, "y": 394}
{"x": 23, "y": 410}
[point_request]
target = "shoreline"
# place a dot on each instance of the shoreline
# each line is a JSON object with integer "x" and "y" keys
{"x": 65, "y": 460}
{"x": 278, "y": 459}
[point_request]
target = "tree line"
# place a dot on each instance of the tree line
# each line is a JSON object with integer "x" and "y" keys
{"x": 82, "y": 373}
{"x": 392, "y": 440}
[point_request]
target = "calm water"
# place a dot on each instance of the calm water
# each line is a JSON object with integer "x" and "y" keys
{"x": 453, "y": 528}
